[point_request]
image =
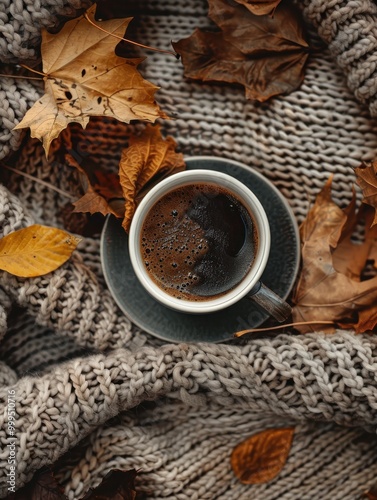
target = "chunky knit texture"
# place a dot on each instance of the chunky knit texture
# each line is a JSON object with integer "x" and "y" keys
{"x": 92, "y": 391}
{"x": 350, "y": 30}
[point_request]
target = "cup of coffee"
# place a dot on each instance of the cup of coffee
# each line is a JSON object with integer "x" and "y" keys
{"x": 199, "y": 241}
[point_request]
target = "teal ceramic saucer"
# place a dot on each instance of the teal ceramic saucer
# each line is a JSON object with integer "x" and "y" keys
{"x": 160, "y": 321}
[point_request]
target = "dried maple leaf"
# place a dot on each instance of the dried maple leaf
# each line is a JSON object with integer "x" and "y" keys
{"x": 260, "y": 7}
{"x": 84, "y": 77}
{"x": 366, "y": 176}
{"x": 330, "y": 286}
{"x": 265, "y": 54}
{"x": 35, "y": 250}
{"x": 147, "y": 155}
{"x": 261, "y": 457}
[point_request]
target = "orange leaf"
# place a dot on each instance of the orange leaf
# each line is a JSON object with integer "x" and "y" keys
{"x": 261, "y": 457}
{"x": 147, "y": 155}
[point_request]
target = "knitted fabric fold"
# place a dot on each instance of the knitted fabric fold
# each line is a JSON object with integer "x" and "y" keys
{"x": 313, "y": 377}
{"x": 92, "y": 391}
{"x": 350, "y": 30}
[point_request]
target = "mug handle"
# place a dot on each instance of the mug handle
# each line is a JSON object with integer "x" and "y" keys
{"x": 270, "y": 302}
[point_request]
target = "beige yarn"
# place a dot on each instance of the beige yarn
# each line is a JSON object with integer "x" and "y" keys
{"x": 92, "y": 391}
{"x": 349, "y": 28}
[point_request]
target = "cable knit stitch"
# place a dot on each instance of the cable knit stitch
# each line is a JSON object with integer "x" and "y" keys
{"x": 330, "y": 378}
{"x": 350, "y": 30}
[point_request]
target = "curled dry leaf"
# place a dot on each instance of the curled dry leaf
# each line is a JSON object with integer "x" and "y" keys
{"x": 265, "y": 54}
{"x": 103, "y": 192}
{"x": 35, "y": 250}
{"x": 260, "y": 7}
{"x": 261, "y": 457}
{"x": 330, "y": 285}
{"x": 148, "y": 159}
{"x": 366, "y": 176}
{"x": 84, "y": 77}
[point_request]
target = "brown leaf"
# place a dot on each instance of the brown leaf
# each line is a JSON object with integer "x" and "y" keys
{"x": 116, "y": 485}
{"x": 93, "y": 202}
{"x": 73, "y": 222}
{"x": 147, "y": 155}
{"x": 84, "y": 77}
{"x": 330, "y": 287}
{"x": 261, "y": 457}
{"x": 35, "y": 250}
{"x": 350, "y": 258}
{"x": 260, "y": 7}
{"x": 264, "y": 54}
{"x": 83, "y": 224}
{"x": 102, "y": 189}
{"x": 366, "y": 176}
{"x": 373, "y": 251}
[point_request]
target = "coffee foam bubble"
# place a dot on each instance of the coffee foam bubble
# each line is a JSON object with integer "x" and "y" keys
{"x": 172, "y": 244}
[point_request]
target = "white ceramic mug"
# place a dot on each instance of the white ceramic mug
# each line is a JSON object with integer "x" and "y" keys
{"x": 250, "y": 286}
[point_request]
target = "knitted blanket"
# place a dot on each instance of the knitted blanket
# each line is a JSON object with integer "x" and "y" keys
{"x": 92, "y": 392}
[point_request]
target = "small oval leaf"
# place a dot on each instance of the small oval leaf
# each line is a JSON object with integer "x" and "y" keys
{"x": 35, "y": 250}
{"x": 262, "y": 456}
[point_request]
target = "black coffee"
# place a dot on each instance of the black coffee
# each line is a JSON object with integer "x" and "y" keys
{"x": 198, "y": 242}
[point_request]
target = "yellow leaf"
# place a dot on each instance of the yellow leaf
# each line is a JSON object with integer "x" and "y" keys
{"x": 261, "y": 457}
{"x": 84, "y": 77}
{"x": 146, "y": 156}
{"x": 35, "y": 250}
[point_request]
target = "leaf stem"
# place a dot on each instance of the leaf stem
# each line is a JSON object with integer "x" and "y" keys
{"x": 40, "y": 181}
{"x": 21, "y": 76}
{"x": 33, "y": 70}
{"x": 162, "y": 51}
{"x": 278, "y": 327}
